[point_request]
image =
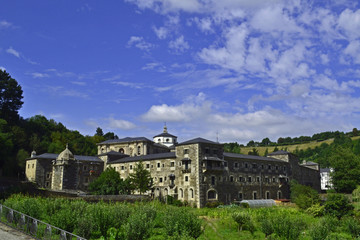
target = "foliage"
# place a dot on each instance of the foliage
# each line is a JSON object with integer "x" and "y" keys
{"x": 346, "y": 174}
{"x": 141, "y": 178}
{"x": 110, "y": 183}
{"x": 213, "y": 204}
{"x": 303, "y": 196}
{"x": 179, "y": 221}
{"x": 337, "y": 205}
{"x": 322, "y": 228}
{"x": 241, "y": 218}
{"x": 10, "y": 98}
{"x": 316, "y": 210}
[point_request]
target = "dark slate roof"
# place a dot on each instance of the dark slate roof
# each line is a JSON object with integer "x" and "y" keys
{"x": 250, "y": 157}
{"x": 165, "y": 135}
{"x": 309, "y": 163}
{"x": 53, "y": 156}
{"x": 160, "y": 145}
{"x": 113, "y": 153}
{"x": 280, "y": 152}
{"x": 127, "y": 139}
{"x": 146, "y": 157}
{"x": 198, "y": 140}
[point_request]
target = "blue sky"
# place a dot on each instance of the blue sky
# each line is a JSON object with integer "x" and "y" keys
{"x": 242, "y": 70}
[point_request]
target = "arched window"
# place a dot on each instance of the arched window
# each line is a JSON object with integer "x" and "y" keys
{"x": 267, "y": 195}
{"x": 191, "y": 193}
{"x": 121, "y": 150}
{"x": 211, "y": 194}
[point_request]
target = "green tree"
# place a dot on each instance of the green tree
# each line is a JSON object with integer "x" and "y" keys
{"x": 99, "y": 132}
{"x": 108, "y": 183}
{"x": 303, "y": 196}
{"x": 10, "y": 98}
{"x": 338, "y": 205}
{"x": 141, "y": 178}
{"x": 346, "y": 165}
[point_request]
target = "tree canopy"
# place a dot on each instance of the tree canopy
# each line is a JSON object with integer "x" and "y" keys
{"x": 141, "y": 178}
{"x": 10, "y": 98}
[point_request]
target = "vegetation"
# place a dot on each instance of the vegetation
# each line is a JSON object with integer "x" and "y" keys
{"x": 141, "y": 178}
{"x": 153, "y": 220}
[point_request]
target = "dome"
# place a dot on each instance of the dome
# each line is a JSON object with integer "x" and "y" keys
{"x": 65, "y": 155}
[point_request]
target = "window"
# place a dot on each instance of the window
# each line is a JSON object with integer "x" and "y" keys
{"x": 246, "y": 165}
{"x": 33, "y": 165}
{"x": 240, "y": 196}
{"x": 121, "y": 150}
{"x": 207, "y": 150}
{"x": 236, "y": 165}
{"x": 274, "y": 180}
{"x": 284, "y": 169}
{"x": 172, "y": 164}
{"x": 152, "y": 166}
{"x": 130, "y": 167}
{"x": 212, "y": 180}
{"x": 186, "y": 151}
{"x": 158, "y": 164}
{"x": 267, "y": 195}
{"x": 167, "y": 140}
{"x": 276, "y": 167}
{"x": 267, "y": 180}
{"x": 165, "y": 192}
{"x": 48, "y": 175}
{"x": 47, "y": 184}
{"x": 241, "y": 179}
{"x": 28, "y": 165}
{"x": 249, "y": 179}
{"x": 258, "y": 179}
{"x": 254, "y": 166}
{"x": 269, "y": 167}
{"x": 122, "y": 167}
{"x": 254, "y": 195}
{"x": 186, "y": 178}
{"x": 191, "y": 193}
{"x": 84, "y": 167}
{"x": 164, "y": 178}
{"x": 279, "y": 195}
{"x": 160, "y": 179}
{"x": 181, "y": 193}
{"x": 163, "y": 165}
{"x": 147, "y": 165}
{"x": 139, "y": 150}
{"x": 211, "y": 194}
{"x": 231, "y": 178}
{"x": 262, "y": 166}
{"x": 225, "y": 164}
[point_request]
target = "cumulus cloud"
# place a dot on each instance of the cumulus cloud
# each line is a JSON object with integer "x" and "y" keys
{"x": 140, "y": 43}
{"x": 161, "y": 32}
{"x": 179, "y": 44}
{"x": 39, "y": 75}
{"x": 120, "y": 124}
{"x": 349, "y": 22}
{"x": 5, "y": 24}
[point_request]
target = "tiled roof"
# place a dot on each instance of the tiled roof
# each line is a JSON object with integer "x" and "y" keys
{"x": 198, "y": 140}
{"x": 250, "y": 157}
{"x": 127, "y": 139}
{"x": 113, "y": 153}
{"x": 146, "y": 157}
{"x": 53, "y": 156}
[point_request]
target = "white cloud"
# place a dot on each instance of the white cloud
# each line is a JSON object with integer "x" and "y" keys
{"x": 13, "y": 52}
{"x": 159, "y": 67}
{"x": 349, "y": 21}
{"x": 140, "y": 43}
{"x": 120, "y": 124}
{"x": 204, "y": 24}
{"x": 179, "y": 44}
{"x": 161, "y": 32}
{"x": 79, "y": 83}
{"x": 353, "y": 50}
{"x": 5, "y": 24}
{"x": 39, "y": 75}
{"x": 2, "y": 68}
{"x": 128, "y": 84}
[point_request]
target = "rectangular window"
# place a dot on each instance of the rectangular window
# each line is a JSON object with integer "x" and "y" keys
{"x": 258, "y": 179}
{"x": 160, "y": 179}
{"x": 225, "y": 164}
{"x": 28, "y": 165}
{"x": 241, "y": 179}
{"x": 186, "y": 178}
{"x": 186, "y": 151}
{"x": 163, "y": 165}
{"x": 207, "y": 150}
{"x": 48, "y": 175}
{"x": 236, "y": 165}
{"x": 269, "y": 167}
{"x": 246, "y": 165}
{"x": 254, "y": 166}
{"x": 84, "y": 167}
{"x": 158, "y": 165}
{"x": 231, "y": 178}
{"x": 276, "y": 167}
{"x": 172, "y": 164}
{"x": 249, "y": 179}
{"x": 147, "y": 165}
{"x": 33, "y": 165}
{"x": 212, "y": 180}
{"x": 240, "y": 196}
{"x": 130, "y": 166}
{"x": 274, "y": 180}
{"x": 122, "y": 167}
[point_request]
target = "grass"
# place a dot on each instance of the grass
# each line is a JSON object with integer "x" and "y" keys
{"x": 290, "y": 148}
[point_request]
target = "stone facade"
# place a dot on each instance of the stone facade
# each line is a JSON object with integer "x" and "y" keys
{"x": 197, "y": 171}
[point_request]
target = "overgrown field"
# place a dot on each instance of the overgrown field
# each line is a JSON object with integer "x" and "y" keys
{"x": 154, "y": 220}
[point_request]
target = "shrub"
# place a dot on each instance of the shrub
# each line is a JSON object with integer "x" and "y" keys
{"x": 338, "y": 236}
{"x": 303, "y": 196}
{"x": 241, "y": 218}
{"x": 337, "y": 205}
{"x": 322, "y": 228}
{"x": 138, "y": 227}
{"x": 316, "y": 210}
{"x": 213, "y": 204}
{"x": 180, "y": 222}
{"x": 351, "y": 225}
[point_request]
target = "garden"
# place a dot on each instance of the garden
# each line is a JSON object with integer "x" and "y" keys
{"x": 334, "y": 219}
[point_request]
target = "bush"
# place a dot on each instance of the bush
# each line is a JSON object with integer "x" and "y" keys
{"x": 213, "y": 204}
{"x": 241, "y": 218}
{"x": 180, "y": 222}
{"x": 138, "y": 226}
{"x": 338, "y": 205}
{"x": 351, "y": 225}
{"x": 316, "y": 210}
{"x": 322, "y": 228}
{"x": 303, "y": 196}
{"x": 338, "y": 236}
